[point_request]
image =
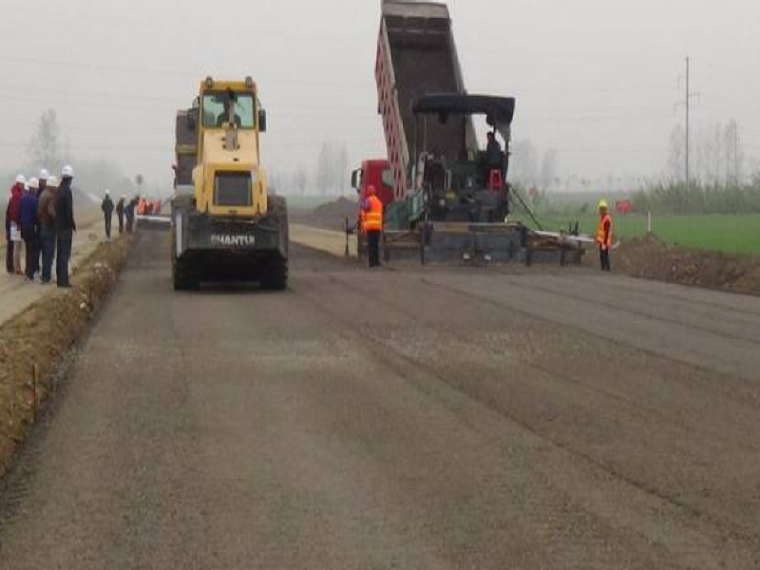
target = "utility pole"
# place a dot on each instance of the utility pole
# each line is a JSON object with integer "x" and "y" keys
{"x": 736, "y": 153}
{"x": 688, "y": 97}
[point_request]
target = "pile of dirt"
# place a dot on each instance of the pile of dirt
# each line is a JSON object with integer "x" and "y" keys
{"x": 33, "y": 343}
{"x": 331, "y": 216}
{"x": 649, "y": 258}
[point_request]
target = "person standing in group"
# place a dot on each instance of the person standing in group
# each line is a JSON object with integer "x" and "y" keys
{"x": 120, "y": 214}
{"x": 65, "y": 226}
{"x": 29, "y": 228}
{"x": 9, "y": 226}
{"x": 373, "y": 225}
{"x": 43, "y": 180}
{"x": 46, "y": 220}
{"x": 14, "y": 213}
{"x": 107, "y": 207}
{"x": 604, "y": 235}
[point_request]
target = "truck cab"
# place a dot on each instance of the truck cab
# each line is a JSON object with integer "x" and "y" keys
{"x": 377, "y": 173}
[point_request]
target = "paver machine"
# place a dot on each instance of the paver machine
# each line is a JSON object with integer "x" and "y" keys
{"x": 450, "y": 197}
{"x": 225, "y": 224}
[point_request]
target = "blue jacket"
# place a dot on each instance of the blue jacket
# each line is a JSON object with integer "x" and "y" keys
{"x": 29, "y": 209}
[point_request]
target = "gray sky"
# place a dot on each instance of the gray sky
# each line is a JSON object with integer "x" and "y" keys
{"x": 598, "y": 80}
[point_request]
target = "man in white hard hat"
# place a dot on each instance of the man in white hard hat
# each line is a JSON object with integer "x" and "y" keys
{"x": 43, "y": 180}
{"x": 46, "y": 217}
{"x": 29, "y": 228}
{"x": 65, "y": 226}
{"x": 107, "y": 207}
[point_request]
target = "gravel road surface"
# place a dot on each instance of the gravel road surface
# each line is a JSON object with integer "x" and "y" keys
{"x": 437, "y": 418}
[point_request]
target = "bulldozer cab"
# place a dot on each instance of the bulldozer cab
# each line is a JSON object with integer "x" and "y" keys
{"x": 228, "y": 178}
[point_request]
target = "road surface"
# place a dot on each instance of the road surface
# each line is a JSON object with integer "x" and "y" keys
{"x": 398, "y": 419}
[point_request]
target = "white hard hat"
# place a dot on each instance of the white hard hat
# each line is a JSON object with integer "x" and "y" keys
{"x": 67, "y": 172}
{"x": 44, "y": 174}
{"x": 52, "y": 182}
{"x": 20, "y": 179}
{"x": 108, "y": 192}
{"x": 34, "y": 183}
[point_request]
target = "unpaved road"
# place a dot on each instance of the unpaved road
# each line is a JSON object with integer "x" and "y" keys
{"x": 418, "y": 419}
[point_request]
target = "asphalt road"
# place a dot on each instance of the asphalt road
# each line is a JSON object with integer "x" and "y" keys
{"x": 398, "y": 419}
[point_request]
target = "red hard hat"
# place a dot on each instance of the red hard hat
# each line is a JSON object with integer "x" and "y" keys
{"x": 371, "y": 191}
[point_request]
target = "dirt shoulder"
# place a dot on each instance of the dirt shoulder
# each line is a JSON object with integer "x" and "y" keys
{"x": 331, "y": 216}
{"x": 650, "y": 258}
{"x": 38, "y": 338}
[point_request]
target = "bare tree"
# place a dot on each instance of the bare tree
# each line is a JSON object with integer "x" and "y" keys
{"x": 43, "y": 148}
{"x": 300, "y": 180}
{"x": 676, "y": 154}
{"x": 331, "y": 174}
{"x": 548, "y": 169}
{"x": 524, "y": 164}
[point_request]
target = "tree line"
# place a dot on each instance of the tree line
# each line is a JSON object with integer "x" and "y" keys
{"x": 46, "y": 148}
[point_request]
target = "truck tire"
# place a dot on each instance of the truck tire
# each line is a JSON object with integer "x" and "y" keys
{"x": 274, "y": 275}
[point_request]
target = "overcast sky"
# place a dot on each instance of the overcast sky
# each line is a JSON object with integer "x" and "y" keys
{"x": 598, "y": 80}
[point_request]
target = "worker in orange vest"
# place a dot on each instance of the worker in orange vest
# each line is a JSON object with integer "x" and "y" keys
{"x": 373, "y": 225}
{"x": 604, "y": 235}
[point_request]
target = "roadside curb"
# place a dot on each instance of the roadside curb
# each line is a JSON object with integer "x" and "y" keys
{"x": 34, "y": 342}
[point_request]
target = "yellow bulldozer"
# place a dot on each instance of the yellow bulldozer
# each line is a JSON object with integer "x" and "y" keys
{"x": 225, "y": 225}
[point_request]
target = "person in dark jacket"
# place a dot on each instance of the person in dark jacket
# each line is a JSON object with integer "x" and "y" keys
{"x": 107, "y": 207}
{"x": 46, "y": 220}
{"x": 29, "y": 228}
{"x": 43, "y": 179}
{"x": 120, "y": 214}
{"x": 65, "y": 226}
{"x": 129, "y": 211}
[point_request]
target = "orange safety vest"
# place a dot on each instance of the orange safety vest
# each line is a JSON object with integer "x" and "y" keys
{"x": 373, "y": 218}
{"x": 604, "y": 237}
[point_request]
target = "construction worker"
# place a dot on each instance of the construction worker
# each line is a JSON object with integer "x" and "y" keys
{"x": 10, "y": 228}
{"x": 14, "y": 215}
{"x": 43, "y": 180}
{"x": 107, "y": 207}
{"x": 29, "y": 228}
{"x": 373, "y": 225}
{"x": 65, "y": 226}
{"x": 46, "y": 218}
{"x": 604, "y": 235}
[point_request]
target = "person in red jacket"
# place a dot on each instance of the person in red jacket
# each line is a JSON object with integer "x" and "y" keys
{"x": 8, "y": 225}
{"x": 13, "y": 221}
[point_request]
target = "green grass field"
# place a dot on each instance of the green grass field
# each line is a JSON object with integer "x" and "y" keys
{"x": 732, "y": 234}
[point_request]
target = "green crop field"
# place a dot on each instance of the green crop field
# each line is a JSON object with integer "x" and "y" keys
{"x": 732, "y": 234}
